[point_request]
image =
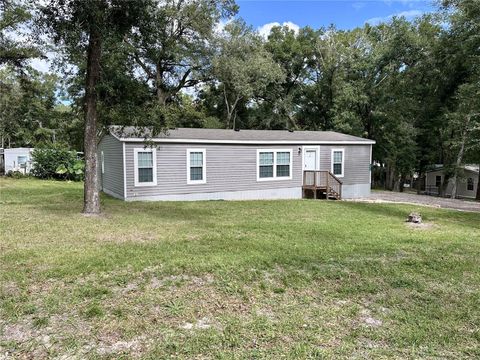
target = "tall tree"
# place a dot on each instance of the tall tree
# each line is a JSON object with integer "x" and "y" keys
{"x": 15, "y": 50}
{"x": 30, "y": 113}
{"x": 243, "y": 68}
{"x": 294, "y": 53}
{"x": 172, "y": 43}
{"x": 79, "y": 28}
{"x": 465, "y": 123}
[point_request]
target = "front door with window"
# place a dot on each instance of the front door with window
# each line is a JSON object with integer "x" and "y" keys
{"x": 311, "y": 159}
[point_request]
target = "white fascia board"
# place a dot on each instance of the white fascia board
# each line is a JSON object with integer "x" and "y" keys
{"x": 251, "y": 142}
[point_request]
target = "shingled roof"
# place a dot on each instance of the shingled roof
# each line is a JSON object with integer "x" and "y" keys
{"x": 199, "y": 135}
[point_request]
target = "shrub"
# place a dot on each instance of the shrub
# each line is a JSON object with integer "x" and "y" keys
{"x": 16, "y": 174}
{"x": 73, "y": 171}
{"x": 56, "y": 162}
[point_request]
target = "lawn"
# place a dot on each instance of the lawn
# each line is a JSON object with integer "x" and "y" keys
{"x": 233, "y": 280}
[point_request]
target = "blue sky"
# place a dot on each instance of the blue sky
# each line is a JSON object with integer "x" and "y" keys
{"x": 345, "y": 14}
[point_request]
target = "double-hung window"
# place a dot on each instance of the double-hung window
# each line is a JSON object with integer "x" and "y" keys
{"x": 274, "y": 164}
{"x": 470, "y": 184}
{"x": 145, "y": 167}
{"x": 196, "y": 166}
{"x": 338, "y": 162}
{"x": 266, "y": 164}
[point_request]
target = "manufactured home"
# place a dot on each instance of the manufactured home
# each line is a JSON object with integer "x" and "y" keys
{"x": 215, "y": 164}
{"x": 16, "y": 159}
{"x": 467, "y": 182}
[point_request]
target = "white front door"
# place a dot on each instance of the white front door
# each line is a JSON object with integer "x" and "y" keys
{"x": 311, "y": 159}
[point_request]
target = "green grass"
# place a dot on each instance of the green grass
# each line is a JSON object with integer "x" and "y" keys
{"x": 233, "y": 280}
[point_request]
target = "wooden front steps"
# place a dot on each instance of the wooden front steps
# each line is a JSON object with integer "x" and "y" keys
{"x": 321, "y": 185}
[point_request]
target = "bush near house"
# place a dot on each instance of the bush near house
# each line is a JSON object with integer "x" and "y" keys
{"x": 57, "y": 162}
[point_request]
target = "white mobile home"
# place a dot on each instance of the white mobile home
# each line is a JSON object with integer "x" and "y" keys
{"x": 18, "y": 159}
{"x": 209, "y": 164}
{"x": 467, "y": 182}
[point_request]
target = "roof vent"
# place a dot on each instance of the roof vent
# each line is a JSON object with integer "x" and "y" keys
{"x": 236, "y": 129}
{"x": 290, "y": 130}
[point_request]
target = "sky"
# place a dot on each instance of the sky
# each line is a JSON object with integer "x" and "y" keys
{"x": 345, "y": 14}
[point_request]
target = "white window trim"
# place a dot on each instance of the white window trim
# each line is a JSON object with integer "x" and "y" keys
{"x": 102, "y": 158}
{"x": 135, "y": 161}
{"x": 274, "y": 178}
{"x": 343, "y": 162}
{"x": 204, "y": 167}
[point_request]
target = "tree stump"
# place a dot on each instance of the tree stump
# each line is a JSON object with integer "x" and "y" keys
{"x": 415, "y": 218}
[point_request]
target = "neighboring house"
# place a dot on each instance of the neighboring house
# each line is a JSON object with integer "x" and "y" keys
{"x": 17, "y": 159}
{"x": 2, "y": 162}
{"x": 209, "y": 164}
{"x": 467, "y": 183}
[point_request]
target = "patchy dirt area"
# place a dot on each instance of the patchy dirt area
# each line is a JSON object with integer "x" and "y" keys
{"x": 421, "y": 226}
{"x": 411, "y": 198}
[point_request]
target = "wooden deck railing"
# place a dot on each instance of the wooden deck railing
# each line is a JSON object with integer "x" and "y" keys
{"x": 322, "y": 180}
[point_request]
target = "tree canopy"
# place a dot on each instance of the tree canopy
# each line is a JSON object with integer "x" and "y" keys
{"x": 413, "y": 86}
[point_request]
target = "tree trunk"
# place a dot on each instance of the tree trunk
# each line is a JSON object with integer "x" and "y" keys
{"x": 403, "y": 180}
{"x": 91, "y": 201}
{"x": 231, "y": 108}
{"x": 390, "y": 178}
{"x": 161, "y": 93}
{"x": 478, "y": 185}
{"x": 443, "y": 186}
{"x": 418, "y": 184}
{"x": 459, "y": 160}
{"x": 397, "y": 185}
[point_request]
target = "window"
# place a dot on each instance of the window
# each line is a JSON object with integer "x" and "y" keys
{"x": 22, "y": 160}
{"x": 274, "y": 164}
{"x": 145, "y": 167}
{"x": 438, "y": 181}
{"x": 338, "y": 160}
{"x": 266, "y": 160}
{"x": 102, "y": 162}
{"x": 470, "y": 184}
{"x": 196, "y": 166}
{"x": 283, "y": 164}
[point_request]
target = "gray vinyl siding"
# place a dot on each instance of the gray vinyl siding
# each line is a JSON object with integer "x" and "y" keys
{"x": 357, "y": 162}
{"x": 462, "y": 190}
{"x": 112, "y": 178}
{"x": 234, "y": 168}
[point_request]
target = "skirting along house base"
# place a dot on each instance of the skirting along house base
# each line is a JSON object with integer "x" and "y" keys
{"x": 214, "y": 164}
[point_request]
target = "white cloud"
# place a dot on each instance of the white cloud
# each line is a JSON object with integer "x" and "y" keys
{"x": 409, "y": 15}
{"x": 220, "y": 26}
{"x": 265, "y": 30}
{"x": 409, "y": 3}
{"x": 358, "y": 5}
{"x": 42, "y": 65}
{"x": 45, "y": 63}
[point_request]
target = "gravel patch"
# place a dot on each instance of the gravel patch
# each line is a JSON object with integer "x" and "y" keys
{"x": 411, "y": 198}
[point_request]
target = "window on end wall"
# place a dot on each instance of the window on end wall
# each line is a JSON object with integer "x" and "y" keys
{"x": 438, "y": 181}
{"x": 22, "y": 160}
{"x": 274, "y": 164}
{"x": 145, "y": 167}
{"x": 470, "y": 184}
{"x": 196, "y": 166}
{"x": 338, "y": 159}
